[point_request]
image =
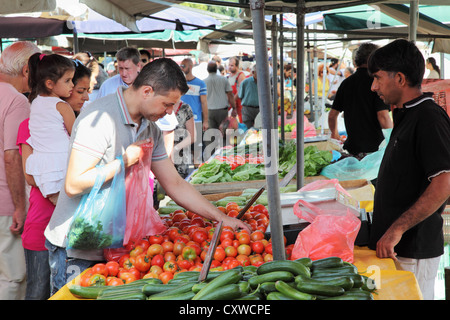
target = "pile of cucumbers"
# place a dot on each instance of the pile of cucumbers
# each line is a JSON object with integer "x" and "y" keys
{"x": 303, "y": 279}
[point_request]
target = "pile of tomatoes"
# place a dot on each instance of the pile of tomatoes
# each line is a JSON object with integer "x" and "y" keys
{"x": 183, "y": 247}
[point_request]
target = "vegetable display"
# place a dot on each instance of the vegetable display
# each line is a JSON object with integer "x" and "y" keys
{"x": 83, "y": 234}
{"x": 246, "y": 162}
{"x": 300, "y": 279}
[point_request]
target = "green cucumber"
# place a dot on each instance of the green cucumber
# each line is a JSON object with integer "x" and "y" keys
{"x": 344, "y": 282}
{"x": 368, "y": 284}
{"x": 330, "y": 262}
{"x": 169, "y": 209}
{"x": 293, "y": 267}
{"x": 230, "y": 276}
{"x": 334, "y": 271}
{"x": 86, "y": 292}
{"x": 226, "y": 292}
{"x": 188, "y": 295}
{"x": 291, "y": 292}
{"x": 353, "y": 296}
{"x": 182, "y": 288}
{"x": 124, "y": 296}
{"x": 153, "y": 288}
{"x": 276, "y": 295}
{"x": 250, "y": 296}
{"x": 306, "y": 261}
{"x": 323, "y": 289}
{"x": 270, "y": 276}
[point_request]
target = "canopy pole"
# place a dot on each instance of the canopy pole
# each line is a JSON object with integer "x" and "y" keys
{"x": 413, "y": 19}
{"x": 270, "y": 134}
{"x": 300, "y": 91}
{"x": 281, "y": 79}
{"x": 274, "y": 71}
{"x": 76, "y": 47}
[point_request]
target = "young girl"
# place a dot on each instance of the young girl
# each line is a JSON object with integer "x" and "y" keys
{"x": 41, "y": 209}
{"x": 51, "y": 120}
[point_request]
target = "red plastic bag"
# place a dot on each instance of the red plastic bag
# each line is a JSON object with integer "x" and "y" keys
{"x": 142, "y": 218}
{"x": 331, "y": 233}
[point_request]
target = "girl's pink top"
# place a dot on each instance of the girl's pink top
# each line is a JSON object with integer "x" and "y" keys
{"x": 40, "y": 209}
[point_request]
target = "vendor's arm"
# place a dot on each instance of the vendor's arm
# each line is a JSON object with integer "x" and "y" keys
{"x": 433, "y": 197}
{"x": 81, "y": 171}
{"x": 332, "y": 124}
{"x": 384, "y": 118}
{"x": 185, "y": 195}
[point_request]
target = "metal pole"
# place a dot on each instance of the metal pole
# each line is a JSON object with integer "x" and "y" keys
{"x": 270, "y": 134}
{"x": 316, "y": 83}
{"x": 274, "y": 70}
{"x": 300, "y": 92}
{"x": 413, "y": 19}
{"x": 324, "y": 97}
{"x": 281, "y": 78}
{"x": 310, "y": 79}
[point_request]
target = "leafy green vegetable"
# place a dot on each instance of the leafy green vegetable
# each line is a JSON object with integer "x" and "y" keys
{"x": 249, "y": 171}
{"x": 84, "y": 235}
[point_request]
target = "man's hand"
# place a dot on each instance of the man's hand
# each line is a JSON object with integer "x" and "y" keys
{"x": 386, "y": 244}
{"x": 132, "y": 153}
{"x": 205, "y": 125}
{"x": 235, "y": 223}
{"x": 18, "y": 222}
{"x": 234, "y": 112}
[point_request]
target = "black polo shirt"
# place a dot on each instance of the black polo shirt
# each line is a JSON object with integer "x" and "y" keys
{"x": 360, "y": 106}
{"x": 418, "y": 150}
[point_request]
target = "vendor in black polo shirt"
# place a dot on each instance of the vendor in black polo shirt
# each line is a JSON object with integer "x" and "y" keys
{"x": 365, "y": 114}
{"x": 414, "y": 178}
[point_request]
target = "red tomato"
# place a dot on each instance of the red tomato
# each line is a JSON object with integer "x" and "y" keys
{"x": 174, "y": 233}
{"x": 257, "y": 246}
{"x": 256, "y": 235}
{"x": 97, "y": 280}
{"x": 155, "y": 249}
{"x": 233, "y": 264}
{"x": 170, "y": 266}
{"x": 135, "y": 272}
{"x": 128, "y": 277}
{"x": 185, "y": 264}
{"x": 219, "y": 254}
{"x": 114, "y": 281}
{"x": 182, "y": 238}
{"x": 143, "y": 262}
{"x": 85, "y": 276}
{"x": 215, "y": 264}
{"x": 155, "y": 269}
{"x": 244, "y": 238}
{"x": 223, "y": 209}
{"x": 143, "y": 243}
{"x": 244, "y": 249}
{"x": 233, "y": 213}
{"x": 196, "y": 246}
{"x": 243, "y": 259}
{"x": 100, "y": 268}
{"x": 261, "y": 208}
{"x": 177, "y": 216}
{"x": 199, "y": 235}
{"x": 178, "y": 247}
{"x": 226, "y": 243}
{"x": 157, "y": 260}
{"x": 231, "y": 206}
{"x": 149, "y": 275}
{"x": 169, "y": 256}
{"x": 268, "y": 248}
{"x": 231, "y": 251}
{"x": 156, "y": 239}
{"x": 113, "y": 268}
{"x": 256, "y": 260}
{"x": 136, "y": 251}
{"x": 166, "y": 276}
{"x": 167, "y": 246}
{"x": 226, "y": 234}
{"x": 198, "y": 221}
{"x": 268, "y": 257}
{"x": 189, "y": 253}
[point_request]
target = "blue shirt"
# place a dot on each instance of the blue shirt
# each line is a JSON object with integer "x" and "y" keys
{"x": 110, "y": 86}
{"x": 248, "y": 92}
{"x": 197, "y": 88}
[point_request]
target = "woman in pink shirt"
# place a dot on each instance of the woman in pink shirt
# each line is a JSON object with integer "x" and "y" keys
{"x": 41, "y": 209}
